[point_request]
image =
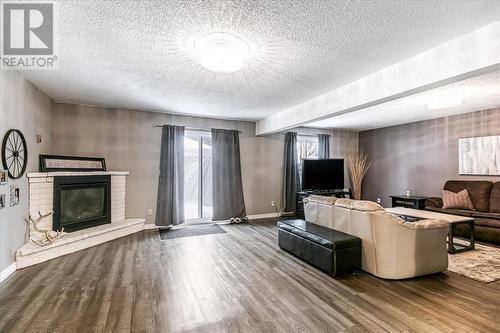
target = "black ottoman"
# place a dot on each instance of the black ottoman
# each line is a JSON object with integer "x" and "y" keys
{"x": 332, "y": 251}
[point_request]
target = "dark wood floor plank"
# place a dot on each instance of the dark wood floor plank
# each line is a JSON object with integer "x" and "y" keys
{"x": 234, "y": 282}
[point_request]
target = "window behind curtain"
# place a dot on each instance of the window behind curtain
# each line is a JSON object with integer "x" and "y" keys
{"x": 307, "y": 147}
{"x": 198, "y": 175}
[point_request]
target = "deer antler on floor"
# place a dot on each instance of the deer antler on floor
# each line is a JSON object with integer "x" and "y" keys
{"x": 47, "y": 236}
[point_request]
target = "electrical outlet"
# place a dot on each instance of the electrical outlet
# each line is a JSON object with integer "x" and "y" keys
{"x": 378, "y": 200}
{"x": 273, "y": 203}
{"x": 150, "y": 212}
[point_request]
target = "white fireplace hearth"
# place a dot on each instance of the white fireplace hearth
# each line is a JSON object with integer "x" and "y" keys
{"x": 41, "y": 201}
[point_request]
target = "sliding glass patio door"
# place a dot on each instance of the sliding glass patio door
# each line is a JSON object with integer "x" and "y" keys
{"x": 198, "y": 176}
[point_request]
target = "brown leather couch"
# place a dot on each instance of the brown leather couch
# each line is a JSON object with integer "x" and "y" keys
{"x": 485, "y": 197}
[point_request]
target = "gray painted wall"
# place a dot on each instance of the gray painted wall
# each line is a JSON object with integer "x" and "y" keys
{"x": 421, "y": 156}
{"x": 128, "y": 141}
{"x": 24, "y": 107}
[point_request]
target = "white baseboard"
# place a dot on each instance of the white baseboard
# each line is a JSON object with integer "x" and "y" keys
{"x": 261, "y": 216}
{"x": 148, "y": 226}
{"x": 7, "y": 272}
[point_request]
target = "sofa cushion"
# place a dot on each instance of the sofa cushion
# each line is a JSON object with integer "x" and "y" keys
{"x": 495, "y": 198}
{"x": 321, "y": 199}
{"x": 344, "y": 203}
{"x": 495, "y": 216}
{"x": 460, "y": 200}
{"x": 482, "y": 233}
{"x": 434, "y": 202}
{"x": 420, "y": 224}
{"x": 487, "y": 235}
{"x": 359, "y": 205}
{"x": 425, "y": 224}
{"x": 479, "y": 192}
{"x": 460, "y": 212}
{"x": 366, "y": 206}
{"x": 487, "y": 222}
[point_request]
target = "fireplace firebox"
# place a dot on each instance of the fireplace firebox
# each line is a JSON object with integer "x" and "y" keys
{"x": 81, "y": 202}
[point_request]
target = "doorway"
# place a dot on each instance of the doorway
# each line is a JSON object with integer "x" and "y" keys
{"x": 198, "y": 176}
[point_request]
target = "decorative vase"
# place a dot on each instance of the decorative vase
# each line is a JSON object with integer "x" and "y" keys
{"x": 357, "y": 165}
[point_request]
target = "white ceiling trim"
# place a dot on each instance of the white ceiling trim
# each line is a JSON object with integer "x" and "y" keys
{"x": 464, "y": 57}
{"x": 474, "y": 94}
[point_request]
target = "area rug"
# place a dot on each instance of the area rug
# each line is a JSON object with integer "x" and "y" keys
{"x": 481, "y": 264}
{"x": 189, "y": 231}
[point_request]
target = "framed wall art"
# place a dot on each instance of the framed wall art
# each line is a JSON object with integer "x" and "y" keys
{"x": 14, "y": 196}
{"x": 50, "y": 163}
{"x": 479, "y": 156}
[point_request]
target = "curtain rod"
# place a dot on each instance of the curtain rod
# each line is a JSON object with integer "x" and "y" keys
{"x": 308, "y": 134}
{"x": 190, "y": 128}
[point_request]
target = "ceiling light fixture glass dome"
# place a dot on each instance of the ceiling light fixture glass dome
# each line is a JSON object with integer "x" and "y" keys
{"x": 222, "y": 52}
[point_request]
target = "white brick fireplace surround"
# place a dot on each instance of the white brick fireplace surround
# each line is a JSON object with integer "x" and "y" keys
{"x": 41, "y": 188}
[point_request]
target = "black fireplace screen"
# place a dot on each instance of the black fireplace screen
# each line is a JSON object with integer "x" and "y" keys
{"x": 81, "y": 202}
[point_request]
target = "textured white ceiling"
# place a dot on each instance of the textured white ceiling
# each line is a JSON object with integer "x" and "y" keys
{"x": 478, "y": 93}
{"x": 138, "y": 54}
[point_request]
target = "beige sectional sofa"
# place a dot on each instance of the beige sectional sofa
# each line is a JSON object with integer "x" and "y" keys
{"x": 391, "y": 247}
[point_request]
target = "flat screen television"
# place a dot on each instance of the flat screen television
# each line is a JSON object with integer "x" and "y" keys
{"x": 323, "y": 174}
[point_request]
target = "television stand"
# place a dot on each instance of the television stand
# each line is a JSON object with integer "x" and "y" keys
{"x": 342, "y": 193}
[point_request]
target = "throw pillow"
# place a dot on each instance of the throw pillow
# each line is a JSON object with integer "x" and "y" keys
{"x": 460, "y": 200}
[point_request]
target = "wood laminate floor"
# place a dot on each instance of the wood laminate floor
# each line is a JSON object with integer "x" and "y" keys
{"x": 234, "y": 282}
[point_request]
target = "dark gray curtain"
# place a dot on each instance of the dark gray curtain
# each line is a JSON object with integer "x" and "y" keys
{"x": 170, "y": 202}
{"x": 290, "y": 172}
{"x": 323, "y": 146}
{"x": 228, "y": 198}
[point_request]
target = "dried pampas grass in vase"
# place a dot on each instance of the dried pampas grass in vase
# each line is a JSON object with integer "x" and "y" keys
{"x": 357, "y": 165}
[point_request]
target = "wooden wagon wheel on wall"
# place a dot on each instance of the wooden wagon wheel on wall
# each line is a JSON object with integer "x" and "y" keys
{"x": 14, "y": 153}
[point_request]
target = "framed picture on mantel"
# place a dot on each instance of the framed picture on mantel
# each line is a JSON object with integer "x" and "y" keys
{"x": 479, "y": 156}
{"x": 49, "y": 163}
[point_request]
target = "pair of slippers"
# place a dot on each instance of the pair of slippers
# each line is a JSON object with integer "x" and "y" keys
{"x": 238, "y": 220}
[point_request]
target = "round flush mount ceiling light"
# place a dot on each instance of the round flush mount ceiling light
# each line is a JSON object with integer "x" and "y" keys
{"x": 444, "y": 101}
{"x": 222, "y": 52}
